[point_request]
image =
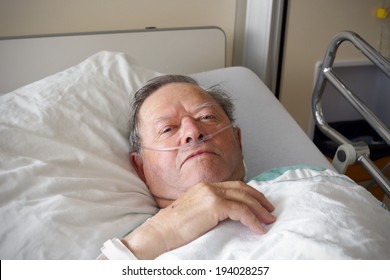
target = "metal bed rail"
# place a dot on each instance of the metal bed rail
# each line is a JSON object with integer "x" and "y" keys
{"x": 348, "y": 153}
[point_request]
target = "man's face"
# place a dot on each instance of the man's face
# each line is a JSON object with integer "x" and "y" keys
{"x": 176, "y": 114}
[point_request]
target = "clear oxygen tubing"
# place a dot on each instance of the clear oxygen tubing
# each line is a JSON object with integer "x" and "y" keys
{"x": 190, "y": 144}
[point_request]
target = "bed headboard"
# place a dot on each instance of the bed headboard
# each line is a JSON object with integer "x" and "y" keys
{"x": 184, "y": 50}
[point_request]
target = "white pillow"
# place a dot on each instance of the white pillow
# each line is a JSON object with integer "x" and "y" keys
{"x": 66, "y": 183}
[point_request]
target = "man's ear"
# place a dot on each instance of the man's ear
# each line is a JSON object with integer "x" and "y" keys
{"x": 138, "y": 164}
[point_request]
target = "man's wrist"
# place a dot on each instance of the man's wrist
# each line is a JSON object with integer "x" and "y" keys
{"x": 147, "y": 241}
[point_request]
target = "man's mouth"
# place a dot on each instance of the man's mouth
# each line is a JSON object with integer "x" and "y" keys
{"x": 197, "y": 154}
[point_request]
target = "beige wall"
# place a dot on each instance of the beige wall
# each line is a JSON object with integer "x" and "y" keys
{"x": 35, "y": 17}
{"x": 311, "y": 26}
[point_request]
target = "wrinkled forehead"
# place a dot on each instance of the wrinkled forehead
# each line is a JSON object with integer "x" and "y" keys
{"x": 176, "y": 96}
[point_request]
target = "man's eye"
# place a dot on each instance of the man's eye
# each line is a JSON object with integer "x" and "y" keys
{"x": 166, "y": 130}
{"x": 208, "y": 117}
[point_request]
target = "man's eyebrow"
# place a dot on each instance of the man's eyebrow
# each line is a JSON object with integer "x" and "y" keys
{"x": 197, "y": 108}
{"x": 204, "y": 105}
{"x": 162, "y": 119}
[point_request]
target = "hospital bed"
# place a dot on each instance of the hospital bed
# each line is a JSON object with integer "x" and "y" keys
{"x": 66, "y": 183}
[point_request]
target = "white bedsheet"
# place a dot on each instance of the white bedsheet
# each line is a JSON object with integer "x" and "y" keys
{"x": 320, "y": 215}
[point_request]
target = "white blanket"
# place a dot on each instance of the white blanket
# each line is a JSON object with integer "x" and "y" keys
{"x": 320, "y": 215}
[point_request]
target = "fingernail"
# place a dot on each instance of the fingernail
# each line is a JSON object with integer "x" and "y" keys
{"x": 261, "y": 230}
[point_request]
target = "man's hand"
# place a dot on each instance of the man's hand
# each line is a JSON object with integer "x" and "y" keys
{"x": 199, "y": 210}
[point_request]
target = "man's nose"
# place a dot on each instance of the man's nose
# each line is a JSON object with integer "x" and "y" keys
{"x": 192, "y": 130}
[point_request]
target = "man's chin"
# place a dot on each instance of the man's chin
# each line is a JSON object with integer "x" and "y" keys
{"x": 204, "y": 177}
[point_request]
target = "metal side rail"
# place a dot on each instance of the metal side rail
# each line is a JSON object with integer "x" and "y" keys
{"x": 362, "y": 155}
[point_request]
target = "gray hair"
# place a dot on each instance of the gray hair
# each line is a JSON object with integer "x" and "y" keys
{"x": 219, "y": 95}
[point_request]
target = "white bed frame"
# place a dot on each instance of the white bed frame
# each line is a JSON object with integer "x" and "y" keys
{"x": 181, "y": 50}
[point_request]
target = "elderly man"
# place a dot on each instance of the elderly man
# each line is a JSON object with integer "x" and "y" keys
{"x": 187, "y": 149}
